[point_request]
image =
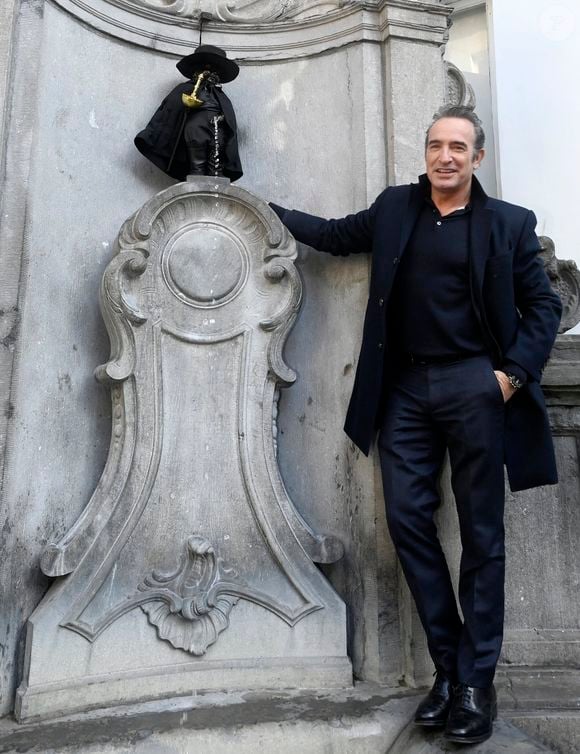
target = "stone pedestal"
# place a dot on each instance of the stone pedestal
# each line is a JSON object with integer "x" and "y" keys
{"x": 190, "y": 569}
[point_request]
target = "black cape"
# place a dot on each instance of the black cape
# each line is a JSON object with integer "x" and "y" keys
{"x": 162, "y": 142}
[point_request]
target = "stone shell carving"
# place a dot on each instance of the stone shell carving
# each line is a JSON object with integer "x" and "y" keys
{"x": 459, "y": 91}
{"x": 565, "y": 278}
{"x": 193, "y": 605}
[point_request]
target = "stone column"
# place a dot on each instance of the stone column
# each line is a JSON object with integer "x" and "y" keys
{"x": 416, "y": 84}
{"x": 10, "y": 262}
{"x": 20, "y": 590}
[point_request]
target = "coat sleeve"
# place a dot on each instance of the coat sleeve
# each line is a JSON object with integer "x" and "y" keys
{"x": 539, "y": 306}
{"x": 352, "y": 234}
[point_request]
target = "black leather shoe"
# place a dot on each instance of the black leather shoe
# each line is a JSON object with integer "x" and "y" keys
{"x": 434, "y": 709}
{"x": 472, "y": 714}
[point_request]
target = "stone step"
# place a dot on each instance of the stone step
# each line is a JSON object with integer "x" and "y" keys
{"x": 365, "y": 720}
{"x": 506, "y": 739}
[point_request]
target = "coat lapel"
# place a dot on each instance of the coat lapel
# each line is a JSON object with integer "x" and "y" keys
{"x": 411, "y": 213}
{"x": 479, "y": 242}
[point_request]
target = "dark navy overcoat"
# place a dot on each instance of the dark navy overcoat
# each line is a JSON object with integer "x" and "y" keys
{"x": 511, "y": 294}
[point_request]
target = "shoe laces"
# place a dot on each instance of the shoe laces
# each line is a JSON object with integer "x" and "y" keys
{"x": 463, "y": 694}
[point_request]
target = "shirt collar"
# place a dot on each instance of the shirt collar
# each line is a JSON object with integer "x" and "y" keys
{"x": 425, "y": 185}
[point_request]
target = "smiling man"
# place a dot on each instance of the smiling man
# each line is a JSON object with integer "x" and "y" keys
{"x": 459, "y": 325}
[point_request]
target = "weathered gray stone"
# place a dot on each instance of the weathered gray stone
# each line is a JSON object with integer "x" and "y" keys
{"x": 21, "y": 583}
{"x": 565, "y": 279}
{"x": 190, "y": 522}
{"x": 545, "y": 703}
{"x": 367, "y": 719}
{"x": 54, "y": 382}
{"x": 459, "y": 91}
{"x": 363, "y": 719}
{"x": 262, "y": 29}
{"x": 57, "y": 406}
{"x": 537, "y": 688}
{"x": 559, "y": 730}
{"x": 7, "y": 23}
{"x": 340, "y": 100}
{"x": 506, "y": 739}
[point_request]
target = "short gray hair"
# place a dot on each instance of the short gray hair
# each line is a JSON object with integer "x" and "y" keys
{"x": 460, "y": 111}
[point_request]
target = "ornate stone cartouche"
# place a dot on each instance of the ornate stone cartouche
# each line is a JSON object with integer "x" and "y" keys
{"x": 190, "y": 517}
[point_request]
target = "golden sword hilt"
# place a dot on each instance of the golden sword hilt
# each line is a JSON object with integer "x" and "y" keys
{"x": 192, "y": 100}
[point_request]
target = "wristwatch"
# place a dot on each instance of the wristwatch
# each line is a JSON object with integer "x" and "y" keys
{"x": 514, "y": 381}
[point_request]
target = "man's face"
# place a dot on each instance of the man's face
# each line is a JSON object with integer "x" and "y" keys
{"x": 450, "y": 157}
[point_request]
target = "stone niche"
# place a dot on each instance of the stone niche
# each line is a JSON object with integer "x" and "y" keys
{"x": 190, "y": 568}
{"x": 332, "y": 102}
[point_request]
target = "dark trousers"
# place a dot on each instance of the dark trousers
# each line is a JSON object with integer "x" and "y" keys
{"x": 456, "y": 406}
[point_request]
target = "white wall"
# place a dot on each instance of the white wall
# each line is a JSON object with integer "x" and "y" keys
{"x": 522, "y": 58}
{"x": 535, "y": 60}
{"x": 468, "y": 49}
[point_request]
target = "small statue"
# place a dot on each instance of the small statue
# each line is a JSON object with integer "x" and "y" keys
{"x": 194, "y": 132}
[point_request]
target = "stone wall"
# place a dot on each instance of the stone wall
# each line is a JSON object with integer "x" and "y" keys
{"x": 331, "y": 106}
{"x": 321, "y": 100}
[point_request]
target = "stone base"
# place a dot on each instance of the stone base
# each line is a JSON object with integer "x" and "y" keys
{"x": 534, "y": 688}
{"x": 365, "y": 720}
{"x": 560, "y": 730}
{"x": 543, "y": 702}
{"x": 45, "y": 702}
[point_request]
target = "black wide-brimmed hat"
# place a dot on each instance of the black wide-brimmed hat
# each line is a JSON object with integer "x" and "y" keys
{"x": 208, "y": 54}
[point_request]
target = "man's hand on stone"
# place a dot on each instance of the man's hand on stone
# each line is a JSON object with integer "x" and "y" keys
{"x": 506, "y": 387}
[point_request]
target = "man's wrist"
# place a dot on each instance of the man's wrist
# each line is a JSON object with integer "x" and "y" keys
{"x": 515, "y": 374}
{"x": 514, "y": 381}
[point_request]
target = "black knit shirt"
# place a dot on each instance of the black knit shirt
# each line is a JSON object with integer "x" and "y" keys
{"x": 430, "y": 310}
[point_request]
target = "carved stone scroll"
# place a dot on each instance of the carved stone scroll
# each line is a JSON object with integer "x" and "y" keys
{"x": 261, "y": 29}
{"x": 262, "y": 11}
{"x": 565, "y": 278}
{"x": 190, "y": 517}
{"x": 238, "y": 11}
{"x": 459, "y": 91}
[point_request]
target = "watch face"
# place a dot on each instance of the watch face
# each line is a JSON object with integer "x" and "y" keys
{"x": 515, "y": 382}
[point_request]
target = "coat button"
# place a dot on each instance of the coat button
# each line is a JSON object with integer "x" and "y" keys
{"x": 396, "y": 260}
{"x": 380, "y": 346}
{"x": 381, "y": 301}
